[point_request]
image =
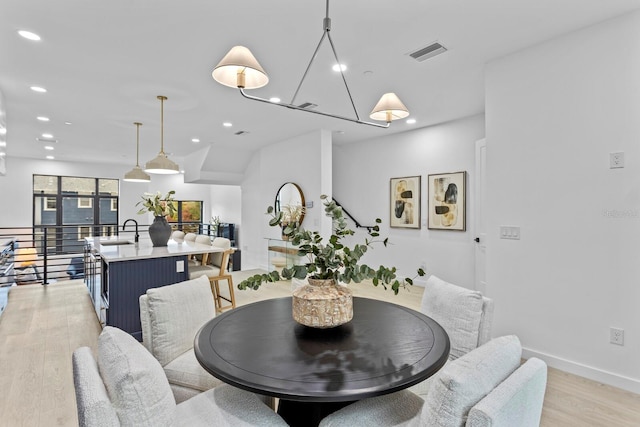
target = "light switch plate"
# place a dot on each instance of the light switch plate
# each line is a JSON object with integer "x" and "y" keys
{"x": 509, "y": 232}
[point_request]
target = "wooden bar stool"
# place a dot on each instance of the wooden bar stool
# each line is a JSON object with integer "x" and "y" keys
{"x": 224, "y": 275}
{"x": 215, "y": 267}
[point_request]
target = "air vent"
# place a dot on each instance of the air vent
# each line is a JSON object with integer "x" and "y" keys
{"x": 241, "y": 132}
{"x": 428, "y": 52}
{"x": 308, "y": 105}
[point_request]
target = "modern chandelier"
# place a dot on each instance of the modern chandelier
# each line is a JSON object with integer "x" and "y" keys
{"x": 239, "y": 68}
{"x": 161, "y": 164}
{"x": 137, "y": 174}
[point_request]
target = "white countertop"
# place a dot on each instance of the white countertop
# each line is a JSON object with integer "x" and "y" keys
{"x": 144, "y": 249}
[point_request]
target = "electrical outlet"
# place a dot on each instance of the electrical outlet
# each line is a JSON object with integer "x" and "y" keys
{"x": 179, "y": 266}
{"x": 616, "y": 160}
{"x": 616, "y": 336}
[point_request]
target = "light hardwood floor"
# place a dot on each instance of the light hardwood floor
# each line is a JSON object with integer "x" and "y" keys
{"x": 42, "y": 325}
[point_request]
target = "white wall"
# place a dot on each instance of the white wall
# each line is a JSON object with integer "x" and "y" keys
{"x": 305, "y": 160}
{"x": 554, "y": 112}
{"x": 226, "y": 202}
{"x": 361, "y": 184}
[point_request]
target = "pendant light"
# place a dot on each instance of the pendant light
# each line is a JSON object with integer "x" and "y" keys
{"x": 240, "y": 69}
{"x": 137, "y": 174}
{"x": 161, "y": 164}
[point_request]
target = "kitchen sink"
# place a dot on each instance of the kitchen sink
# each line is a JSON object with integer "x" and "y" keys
{"x": 115, "y": 242}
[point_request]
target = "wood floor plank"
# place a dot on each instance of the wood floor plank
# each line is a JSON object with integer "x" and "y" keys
{"x": 42, "y": 325}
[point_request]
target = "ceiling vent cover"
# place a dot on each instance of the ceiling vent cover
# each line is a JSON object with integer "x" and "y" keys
{"x": 428, "y": 52}
{"x": 241, "y": 132}
{"x": 308, "y": 105}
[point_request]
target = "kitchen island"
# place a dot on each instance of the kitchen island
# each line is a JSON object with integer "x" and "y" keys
{"x": 118, "y": 271}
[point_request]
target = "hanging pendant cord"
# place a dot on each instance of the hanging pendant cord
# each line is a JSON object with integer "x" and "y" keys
{"x": 162, "y": 98}
{"x": 326, "y": 27}
{"x": 137, "y": 143}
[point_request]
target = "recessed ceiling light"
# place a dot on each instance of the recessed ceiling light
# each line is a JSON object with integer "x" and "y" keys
{"x": 29, "y": 35}
{"x": 227, "y": 124}
{"x": 275, "y": 99}
{"x": 196, "y": 140}
{"x": 338, "y": 67}
{"x": 47, "y": 135}
{"x": 2, "y": 154}
{"x": 43, "y": 118}
{"x": 38, "y": 89}
{"x": 3, "y": 131}
{"x": 3, "y": 143}
{"x": 68, "y": 123}
{"x": 48, "y": 147}
{"x": 50, "y": 158}
{"x": 411, "y": 121}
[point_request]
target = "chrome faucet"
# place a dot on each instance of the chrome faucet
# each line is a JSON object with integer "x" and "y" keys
{"x": 136, "y": 223}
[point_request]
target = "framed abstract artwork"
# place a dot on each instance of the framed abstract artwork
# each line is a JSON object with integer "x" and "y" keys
{"x": 405, "y": 202}
{"x": 447, "y": 200}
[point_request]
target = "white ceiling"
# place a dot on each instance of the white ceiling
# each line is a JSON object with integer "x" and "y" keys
{"x": 104, "y": 62}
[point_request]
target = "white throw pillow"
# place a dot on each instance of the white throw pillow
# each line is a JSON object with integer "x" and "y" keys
{"x": 458, "y": 310}
{"x": 465, "y": 381}
{"x": 135, "y": 381}
{"x": 176, "y": 314}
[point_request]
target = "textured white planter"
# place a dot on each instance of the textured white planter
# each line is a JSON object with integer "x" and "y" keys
{"x": 322, "y": 304}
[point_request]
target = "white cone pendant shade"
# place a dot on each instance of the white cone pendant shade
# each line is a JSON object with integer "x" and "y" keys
{"x": 137, "y": 174}
{"x": 389, "y": 108}
{"x": 161, "y": 164}
{"x": 239, "y": 68}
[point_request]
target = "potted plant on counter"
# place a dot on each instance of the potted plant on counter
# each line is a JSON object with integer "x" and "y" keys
{"x": 160, "y": 207}
{"x": 324, "y": 303}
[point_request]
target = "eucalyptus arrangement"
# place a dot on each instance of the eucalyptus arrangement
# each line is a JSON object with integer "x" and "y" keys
{"x": 331, "y": 260}
{"x": 158, "y": 205}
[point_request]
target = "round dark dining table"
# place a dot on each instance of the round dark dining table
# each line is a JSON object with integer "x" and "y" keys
{"x": 259, "y": 347}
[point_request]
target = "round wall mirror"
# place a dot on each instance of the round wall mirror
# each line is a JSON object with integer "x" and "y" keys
{"x": 290, "y": 201}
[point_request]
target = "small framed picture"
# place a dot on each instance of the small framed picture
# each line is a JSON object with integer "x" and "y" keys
{"x": 405, "y": 202}
{"x": 447, "y": 200}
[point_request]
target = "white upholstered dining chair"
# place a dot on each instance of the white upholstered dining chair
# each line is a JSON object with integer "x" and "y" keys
{"x": 486, "y": 387}
{"x": 127, "y": 387}
{"x": 466, "y": 315}
{"x": 170, "y": 317}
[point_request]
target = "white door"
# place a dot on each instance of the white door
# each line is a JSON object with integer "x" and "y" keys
{"x": 481, "y": 226}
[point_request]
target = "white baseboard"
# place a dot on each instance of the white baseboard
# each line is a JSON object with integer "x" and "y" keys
{"x": 595, "y": 374}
